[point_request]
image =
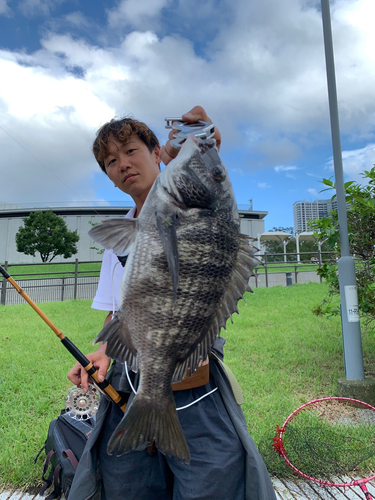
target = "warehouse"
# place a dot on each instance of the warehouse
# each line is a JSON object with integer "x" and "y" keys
{"x": 81, "y": 219}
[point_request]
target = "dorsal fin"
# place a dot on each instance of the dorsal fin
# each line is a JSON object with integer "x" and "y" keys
{"x": 238, "y": 285}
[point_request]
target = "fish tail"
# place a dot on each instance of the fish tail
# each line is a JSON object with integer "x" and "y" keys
{"x": 145, "y": 423}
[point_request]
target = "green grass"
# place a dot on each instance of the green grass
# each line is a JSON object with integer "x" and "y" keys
{"x": 46, "y": 270}
{"x": 33, "y": 383}
{"x": 286, "y": 268}
{"x": 282, "y": 355}
{"x": 30, "y": 271}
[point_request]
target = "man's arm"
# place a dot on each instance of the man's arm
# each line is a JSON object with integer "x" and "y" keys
{"x": 99, "y": 359}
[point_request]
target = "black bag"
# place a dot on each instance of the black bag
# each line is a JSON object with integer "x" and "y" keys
{"x": 64, "y": 446}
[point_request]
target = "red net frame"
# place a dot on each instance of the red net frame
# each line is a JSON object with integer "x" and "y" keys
{"x": 278, "y": 443}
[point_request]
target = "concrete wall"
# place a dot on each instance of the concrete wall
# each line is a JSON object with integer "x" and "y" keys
{"x": 279, "y": 279}
{"x": 10, "y": 225}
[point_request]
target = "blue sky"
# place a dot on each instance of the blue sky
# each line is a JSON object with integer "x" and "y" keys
{"x": 257, "y": 67}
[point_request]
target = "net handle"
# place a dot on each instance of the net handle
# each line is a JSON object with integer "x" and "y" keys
{"x": 366, "y": 491}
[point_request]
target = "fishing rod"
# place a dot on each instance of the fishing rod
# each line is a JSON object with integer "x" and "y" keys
{"x": 68, "y": 344}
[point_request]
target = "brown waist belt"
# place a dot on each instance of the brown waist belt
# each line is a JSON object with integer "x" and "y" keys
{"x": 200, "y": 377}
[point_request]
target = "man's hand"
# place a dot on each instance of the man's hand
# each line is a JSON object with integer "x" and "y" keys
{"x": 168, "y": 152}
{"x": 78, "y": 374}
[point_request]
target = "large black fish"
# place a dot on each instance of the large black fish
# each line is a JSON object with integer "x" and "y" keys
{"x": 188, "y": 266}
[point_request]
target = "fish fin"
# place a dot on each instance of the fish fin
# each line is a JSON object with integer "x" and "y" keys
{"x": 167, "y": 232}
{"x": 115, "y": 234}
{"x": 144, "y": 423}
{"x": 119, "y": 343}
{"x": 238, "y": 285}
{"x": 191, "y": 363}
{"x": 244, "y": 265}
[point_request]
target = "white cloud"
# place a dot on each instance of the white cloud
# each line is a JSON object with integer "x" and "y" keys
{"x": 261, "y": 76}
{"x": 78, "y": 19}
{"x": 45, "y": 96}
{"x": 37, "y": 7}
{"x": 138, "y": 14}
{"x": 285, "y": 168}
{"x": 355, "y": 162}
{"x": 313, "y": 175}
{"x": 263, "y": 185}
{"x": 313, "y": 192}
{"x": 4, "y": 8}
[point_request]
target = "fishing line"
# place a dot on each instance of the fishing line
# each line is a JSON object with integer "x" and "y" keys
{"x": 113, "y": 290}
{"x": 196, "y": 400}
{"x": 181, "y": 407}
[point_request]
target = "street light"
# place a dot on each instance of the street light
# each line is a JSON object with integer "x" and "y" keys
{"x": 351, "y": 330}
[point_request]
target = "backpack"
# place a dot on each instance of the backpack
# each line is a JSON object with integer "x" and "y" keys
{"x": 64, "y": 446}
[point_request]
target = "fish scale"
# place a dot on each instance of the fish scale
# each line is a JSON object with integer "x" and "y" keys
{"x": 190, "y": 265}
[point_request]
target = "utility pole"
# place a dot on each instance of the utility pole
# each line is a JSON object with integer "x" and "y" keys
{"x": 351, "y": 329}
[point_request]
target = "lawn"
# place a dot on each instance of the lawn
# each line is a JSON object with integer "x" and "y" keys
{"x": 47, "y": 270}
{"x": 282, "y": 355}
{"x": 50, "y": 270}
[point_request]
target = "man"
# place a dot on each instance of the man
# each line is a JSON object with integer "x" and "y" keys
{"x": 225, "y": 463}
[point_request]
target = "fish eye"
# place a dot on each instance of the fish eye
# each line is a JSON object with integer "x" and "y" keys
{"x": 218, "y": 174}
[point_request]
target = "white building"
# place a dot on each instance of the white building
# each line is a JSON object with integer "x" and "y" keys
{"x": 303, "y": 211}
{"x": 79, "y": 218}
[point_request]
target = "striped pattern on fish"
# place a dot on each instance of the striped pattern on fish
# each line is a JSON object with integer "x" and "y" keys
{"x": 188, "y": 266}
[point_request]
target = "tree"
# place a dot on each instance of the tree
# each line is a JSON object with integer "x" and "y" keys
{"x": 99, "y": 251}
{"x": 48, "y": 234}
{"x": 361, "y": 228}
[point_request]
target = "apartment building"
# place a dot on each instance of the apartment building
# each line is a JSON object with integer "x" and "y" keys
{"x": 303, "y": 211}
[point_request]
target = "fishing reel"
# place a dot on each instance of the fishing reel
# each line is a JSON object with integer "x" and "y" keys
{"x": 83, "y": 405}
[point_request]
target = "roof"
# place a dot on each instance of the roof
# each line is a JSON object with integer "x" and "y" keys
{"x": 13, "y": 211}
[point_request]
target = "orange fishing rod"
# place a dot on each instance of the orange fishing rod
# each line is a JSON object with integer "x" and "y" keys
{"x": 68, "y": 344}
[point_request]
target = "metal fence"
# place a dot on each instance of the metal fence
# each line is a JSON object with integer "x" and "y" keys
{"x": 83, "y": 284}
{"x": 50, "y": 289}
{"x": 58, "y": 286}
{"x": 300, "y": 269}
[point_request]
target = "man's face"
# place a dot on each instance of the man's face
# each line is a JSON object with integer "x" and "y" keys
{"x": 131, "y": 166}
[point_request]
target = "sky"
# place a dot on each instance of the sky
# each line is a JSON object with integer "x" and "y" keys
{"x": 258, "y": 68}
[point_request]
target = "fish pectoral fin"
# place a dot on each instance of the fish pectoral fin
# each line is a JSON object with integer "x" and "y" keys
{"x": 167, "y": 231}
{"x": 191, "y": 363}
{"x": 119, "y": 343}
{"x": 115, "y": 234}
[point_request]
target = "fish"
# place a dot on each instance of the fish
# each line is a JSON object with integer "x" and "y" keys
{"x": 188, "y": 266}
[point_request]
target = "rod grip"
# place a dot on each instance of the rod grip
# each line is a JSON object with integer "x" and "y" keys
{"x": 4, "y": 273}
{"x": 93, "y": 372}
